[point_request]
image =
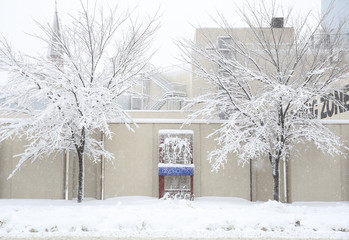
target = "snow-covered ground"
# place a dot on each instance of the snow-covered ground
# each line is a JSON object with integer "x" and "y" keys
{"x": 206, "y": 217}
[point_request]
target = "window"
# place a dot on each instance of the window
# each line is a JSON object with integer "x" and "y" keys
{"x": 175, "y": 183}
{"x": 224, "y": 46}
{"x": 176, "y": 168}
{"x": 136, "y": 103}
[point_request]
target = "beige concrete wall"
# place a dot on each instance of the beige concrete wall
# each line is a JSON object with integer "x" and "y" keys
{"x": 41, "y": 179}
{"x": 314, "y": 176}
{"x": 130, "y": 174}
{"x": 177, "y": 75}
{"x": 44, "y": 178}
{"x": 232, "y": 181}
{"x": 262, "y": 180}
{"x": 135, "y": 170}
{"x": 311, "y": 175}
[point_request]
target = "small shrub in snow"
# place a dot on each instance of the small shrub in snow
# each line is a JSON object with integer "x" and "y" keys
{"x": 178, "y": 195}
{"x": 33, "y": 230}
{"x": 340, "y": 229}
{"x": 54, "y": 229}
{"x": 229, "y": 228}
{"x": 84, "y": 228}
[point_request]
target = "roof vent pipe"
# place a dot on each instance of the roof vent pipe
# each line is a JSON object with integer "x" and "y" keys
{"x": 277, "y": 22}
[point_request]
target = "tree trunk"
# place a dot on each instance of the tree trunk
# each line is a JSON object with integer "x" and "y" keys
{"x": 81, "y": 175}
{"x": 276, "y": 179}
{"x": 80, "y": 149}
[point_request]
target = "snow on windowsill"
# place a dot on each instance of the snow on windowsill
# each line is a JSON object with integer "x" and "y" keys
{"x": 175, "y": 165}
{"x": 175, "y": 131}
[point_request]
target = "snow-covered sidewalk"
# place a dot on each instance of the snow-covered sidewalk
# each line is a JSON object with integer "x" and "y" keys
{"x": 145, "y": 217}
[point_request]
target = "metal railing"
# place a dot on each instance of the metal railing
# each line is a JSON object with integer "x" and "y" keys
{"x": 173, "y": 91}
{"x": 171, "y": 95}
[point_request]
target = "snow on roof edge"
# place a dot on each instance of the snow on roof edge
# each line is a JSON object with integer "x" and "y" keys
{"x": 175, "y": 131}
{"x": 182, "y": 121}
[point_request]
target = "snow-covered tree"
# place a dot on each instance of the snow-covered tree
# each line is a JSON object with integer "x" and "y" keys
{"x": 61, "y": 102}
{"x": 265, "y": 81}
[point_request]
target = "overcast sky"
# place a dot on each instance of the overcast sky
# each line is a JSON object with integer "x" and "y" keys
{"x": 178, "y": 19}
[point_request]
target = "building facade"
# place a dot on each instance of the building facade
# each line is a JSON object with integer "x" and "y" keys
{"x": 311, "y": 176}
{"x": 166, "y": 157}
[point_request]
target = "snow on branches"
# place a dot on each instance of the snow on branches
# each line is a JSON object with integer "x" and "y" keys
{"x": 263, "y": 82}
{"x": 61, "y": 102}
